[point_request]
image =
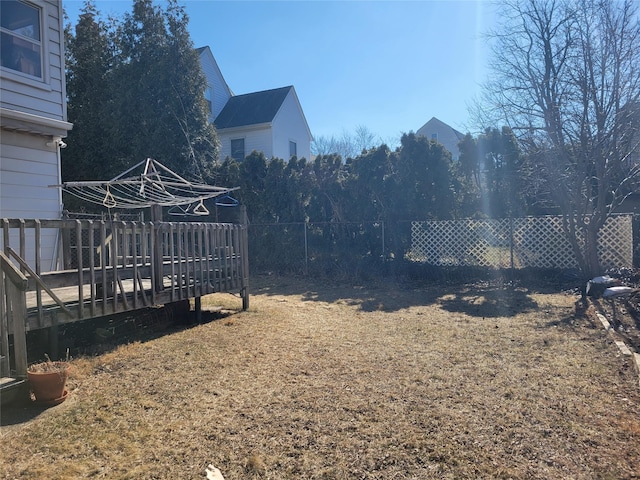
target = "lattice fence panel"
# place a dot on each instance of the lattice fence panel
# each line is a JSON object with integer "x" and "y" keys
{"x": 466, "y": 242}
{"x": 615, "y": 243}
{"x": 540, "y": 242}
{"x": 519, "y": 243}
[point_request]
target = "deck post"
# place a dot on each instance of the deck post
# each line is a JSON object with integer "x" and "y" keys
{"x": 53, "y": 334}
{"x": 65, "y": 234}
{"x": 19, "y": 305}
{"x": 156, "y": 218}
{"x": 198, "y": 307}
{"x": 4, "y": 331}
{"x": 244, "y": 292}
{"x": 15, "y": 309}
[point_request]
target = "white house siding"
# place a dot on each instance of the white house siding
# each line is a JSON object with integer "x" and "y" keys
{"x": 444, "y": 135}
{"x": 216, "y": 82}
{"x": 27, "y": 169}
{"x": 32, "y": 113}
{"x": 256, "y": 138}
{"x": 289, "y": 124}
{"x": 26, "y": 174}
{"x": 44, "y": 96}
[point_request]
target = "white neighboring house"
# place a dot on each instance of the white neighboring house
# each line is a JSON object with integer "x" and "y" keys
{"x": 218, "y": 92}
{"x": 33, "y": 112}
{"x": 270, "y": 121}
{"x": 447, "y": 136}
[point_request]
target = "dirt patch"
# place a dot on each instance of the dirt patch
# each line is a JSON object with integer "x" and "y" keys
{"x": 370, "y": 381}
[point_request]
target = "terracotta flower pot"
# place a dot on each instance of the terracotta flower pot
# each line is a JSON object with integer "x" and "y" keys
{"x": 48, "y": 381}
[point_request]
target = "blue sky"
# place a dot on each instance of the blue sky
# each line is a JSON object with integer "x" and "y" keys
{"x": 387, "y": 65}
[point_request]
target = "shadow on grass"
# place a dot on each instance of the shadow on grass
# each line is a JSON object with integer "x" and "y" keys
{"x": 479, "y": 299}
{"x": 98, "y": 336}
{"x": 21, "y": 410}
{"x": 489, "y": 301}
{"x": 581, "y": 318}
{"x": 369, "y": 296}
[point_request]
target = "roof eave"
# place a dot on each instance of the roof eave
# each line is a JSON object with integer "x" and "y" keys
{"x": 255, "y": 126}
{"x": 34, "y": 124}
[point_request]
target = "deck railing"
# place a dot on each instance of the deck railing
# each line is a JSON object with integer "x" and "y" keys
{"x": 13, "y": 310}
{"x": 106, "y": 267}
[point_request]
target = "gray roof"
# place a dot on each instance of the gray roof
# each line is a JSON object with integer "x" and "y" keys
{"x": 252, "y": 108}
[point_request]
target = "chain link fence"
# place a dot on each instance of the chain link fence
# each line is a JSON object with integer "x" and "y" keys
{"x": 350, "y": 248}
{"x": 375, "y": 247}
{"x": 361, "y": 248}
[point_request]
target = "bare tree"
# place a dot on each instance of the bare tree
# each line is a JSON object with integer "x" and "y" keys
{"x": 323, "y": 145}
{"x": 566, "y": 79}
{"x": 363, "y": 139}
{"x": 347, "y": 145}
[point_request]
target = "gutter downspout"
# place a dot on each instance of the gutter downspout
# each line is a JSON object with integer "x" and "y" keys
{"x": 58, "y": 144}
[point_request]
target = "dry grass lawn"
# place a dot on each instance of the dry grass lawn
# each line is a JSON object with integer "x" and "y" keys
{"x": 348, "y": 382}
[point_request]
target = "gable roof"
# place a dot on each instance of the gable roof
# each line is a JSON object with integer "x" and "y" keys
{"x": 252, "y": 108}
{"x": 434, "y": 123}
{"x": 444, "y": 134}
{"x": 206, "y": 51}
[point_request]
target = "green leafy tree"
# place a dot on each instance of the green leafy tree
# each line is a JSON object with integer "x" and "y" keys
{"x": 276, "y": 192}
{"x": 467, "y": 178}
{"x": 299, "y": 186}
{"x": 424, "y": 183}
{"x": 253, "y": 187}
{"x": 492, "y": 172}
{"x": 501, "y": 155}
{"x": 327, "y": 200}
{"x": 163, "y": 112}
{"x": 286, "y": 196}
{"x": 89, "y": 61}
{"x": 371, "y": 184}
{"x": 136, "y": 90}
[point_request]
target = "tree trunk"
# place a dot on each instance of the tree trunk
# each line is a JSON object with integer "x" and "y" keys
{"x": 585, "y": 251}
{"x": 592, "y": 260}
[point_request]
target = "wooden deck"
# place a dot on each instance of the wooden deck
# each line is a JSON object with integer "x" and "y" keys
{"x": 106, "y": 267}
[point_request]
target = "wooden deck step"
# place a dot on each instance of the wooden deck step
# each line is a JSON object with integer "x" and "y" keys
{"x": 11, "y": 389}
{"x": 6, "y": 382}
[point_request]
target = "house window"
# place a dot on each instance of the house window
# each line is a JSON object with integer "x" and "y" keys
{"x": 434, "y": 136}
{"x": 20, "y": 42}
{"x": 237, "y": 148}
{"x": 293, "y": 149}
